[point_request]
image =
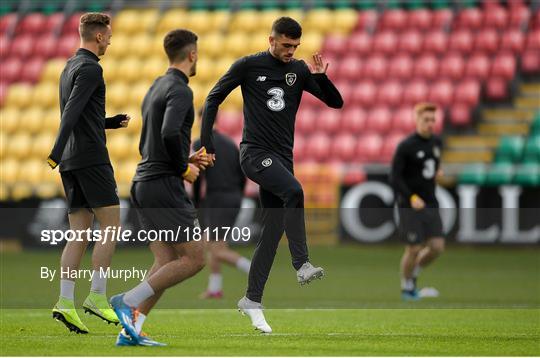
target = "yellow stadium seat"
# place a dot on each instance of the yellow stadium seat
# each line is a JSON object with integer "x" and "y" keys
{"x": 8, "y": 174}
{"x": 222, "y": 66}
{"x": 211, "y": 45}
{"x": 157, "y": 45}
{"x": 130, "y": 21}
{"x": 51, "y": 120}
{"x": 118, "y": 145}
{"x": 19, "y": 146}
{"x": 137, "y": 93}
{"x": 3, "y": 144}
{"x": 153, "y": 67}
{"x": 125, "y": 171}
{"x": 32, "y": 120}
{"x": 258, "y": 42}
{"x": 31, "y": 171}
{"x": 117, "y": 95}
{"x": 21, "y": 191}
{"x": 120, "y": 46}
{"x": 344, "y": 21}
{"x": 53, "y": 69}
{"x": 130, "y": 69}
{"x": 45, "y": 94}
{"x": 220, "y": 20}
{"x": 51, "y": 176}
{"x": 172, "y": 19}
{"x": 47, "y": 190}
{"x": 141, "y": 45}
{"x": 10, "y": 119}
{"x": 19, "y": 95}
{"x": 134, "y": 154}
{"x": 235, "y": 44}
{"x": 200, "y": 22}
{"x": 42, "y": 145}
{"x": 245, "y": 21}
{"x": 310, "y": 43}
{"x": 234, "y": 101}
{"x": 318, "y": 20}
{"x": 4, "y": 191}
{"x": 198, "y": 95}
{"x": 205, "y": 69}
{"x": 135, "y": 123}
{"x": 110, "y": 68}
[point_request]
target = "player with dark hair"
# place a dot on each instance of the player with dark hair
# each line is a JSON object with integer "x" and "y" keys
{"x": 158, "y": 190}
{"x": 85, "y": 168}
{"x": 272, "y": 84}
{"x": 219, "y": 192}
{"x": 414, "y": 169}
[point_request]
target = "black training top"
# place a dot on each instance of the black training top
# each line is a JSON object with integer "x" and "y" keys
{"x": 226, "y": 176}
{"x": 168, "y": 114}
{"x": 414, "y": 168}
{"x": 272, "y": 90}
{"x": 81, "y": 140}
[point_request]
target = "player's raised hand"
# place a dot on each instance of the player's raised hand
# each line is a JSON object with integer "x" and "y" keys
{"x": 191, "y": 174}
{"x": 318, "y": 65}
{"x": 200, "y": 158}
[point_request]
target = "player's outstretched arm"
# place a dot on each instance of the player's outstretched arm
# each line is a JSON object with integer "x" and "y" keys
{"x": 319, "y": 85}
{"x": 85, "y": 83}
{"x": 118, "y": 121}
{"x": 232, "y": 79}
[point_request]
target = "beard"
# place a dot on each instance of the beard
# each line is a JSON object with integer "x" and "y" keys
{"x": 193, "y": 70}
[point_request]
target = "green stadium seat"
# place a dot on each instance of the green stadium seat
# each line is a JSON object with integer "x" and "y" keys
{"x": 415, "y": 4}
{"x": 510, "y": 149}
{"x": 500, "y": 174}
{"x": 293, "y": 4}
{"x": 532, "y": 150}
{"x": 473, "y": 174}
{"x": 535, "y": 126}
{"x": 465, "y": 3}
{"x": 270, "y": 5}
{"x": 366, "y": 5}
{"x": 528, "y": 174}
{"x": 248, "y": 5}
{"x": 342, "y": 4}
{"x": 393, "y": 4}
{"x": 440, "y": 4}
{"x": 7, "y": 6}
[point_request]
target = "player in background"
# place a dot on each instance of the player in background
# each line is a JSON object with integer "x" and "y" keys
{"x": 272, "y": 84}
{"x": 218, "y": 193}
{"x": 158, "y": 190}
{"x": 415, "y": 167}
{"x": 85, "y": 168}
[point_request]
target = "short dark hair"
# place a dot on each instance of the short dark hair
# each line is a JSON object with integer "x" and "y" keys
{"x": 92, "y": 21}
{"x": 177, "y": 43}
{"x": 287, "y": 26}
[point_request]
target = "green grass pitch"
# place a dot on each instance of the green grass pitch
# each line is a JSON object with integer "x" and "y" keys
{"x": 489, "y": 305}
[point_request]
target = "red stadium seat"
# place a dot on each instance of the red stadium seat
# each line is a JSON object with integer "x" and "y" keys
{"x": 461, "y": 41}
{"x": 22, "y": 46}
{"x": 7, "y": 21}
{"x": 67, "y": 45}
{"x": 414, "y": 92}
{"x": 419, "y": 19}
{"x": 436, "y": 42}
{"x": 328, "y": 121}
{"x": 71, "y": 26}
{"x": 229, "y": 123}
{"x": 442, "y": 93}
{"x": 504, "y": 65}
{"x": 513, "y": 40}
{"x": 10, "y": 70}
{"x": 401, "y": 67}
{"x": 364, "y": 93}
{"x": 32, "y": 70}
{"x": 305, "y": 120}
{"x": 354, "y": 176}
{"x": 487, "y": 41}
{"x": 335, "y": 45}
{"x": 375, "y": 67}
{"x": 426, "y": 67}
{"x": 495, "y": 17}
{"x": 367, "y": 20}
{"x": 360, "y": 43}
{"x": 53, "y": 22}
{"x": 344, "y": 147}
{"x": 452, "y": 66}
{"x": 45, "y": 46}
{"x": 519, "y": 16}
{"x": 346, "y": 90}
{"x": 353, "y": 120}
{"x": 350, "y": 68}
{"x": 379, "y": 120}
{"x": 394, "y": 19}
{"x": 385, "y": 42}
{"x": 318, "y": 147}
{"x": 390, "y": 144}
{"x": 368, "y": 148}
{"x": 460, "y": 115}
{"x": 5, "y": 46}
{"x": 496, "y": 89}
{"x": 299, "y": 149}
{"x": 536, "y": 20}
{"x": 470, "y": 18}
{"x": 32, "y": 24}
{"x": 390, "y": 93}
{"x": 533, "y": 40}
{"x": 477, "y": 67}
{"x": 530, "y": 62}
{"x": 310, "y": 100}
{"x": 442, "y": 19}
{"x": 468, "y": 92}
{"x": 403, "y": 120}
{"x": 411, "y": 42}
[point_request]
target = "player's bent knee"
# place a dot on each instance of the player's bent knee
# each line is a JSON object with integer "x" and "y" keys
{"x": 437, "y": 246}
{"x": 413, "y": 249}
{"x": 295, "y": 195}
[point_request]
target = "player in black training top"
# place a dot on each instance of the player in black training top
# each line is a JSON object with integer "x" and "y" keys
{"x": 158, "y": 190}
{"x": 414, "y": 169}
{"x": 218, "y": 193}
{"x": 85, "y": 168}
{"x": 272, "y": 84}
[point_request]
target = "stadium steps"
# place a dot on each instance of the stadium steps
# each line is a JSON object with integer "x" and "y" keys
{"x": 466, "y": 156}
{"x": 503, "y": 128}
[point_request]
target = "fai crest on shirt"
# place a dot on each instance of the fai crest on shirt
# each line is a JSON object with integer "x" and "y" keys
{"x": 290, "y": 78}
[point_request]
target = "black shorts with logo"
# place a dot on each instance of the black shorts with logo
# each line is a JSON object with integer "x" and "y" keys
{"x": 163, "y": 204}
{"x": 92, "y": 187}
{"x": 417, "y": 226}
